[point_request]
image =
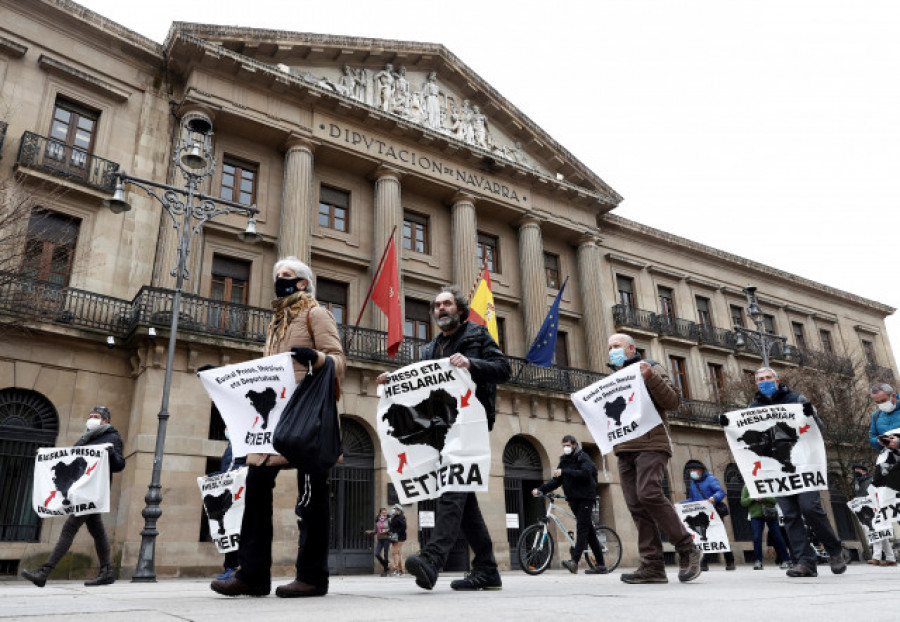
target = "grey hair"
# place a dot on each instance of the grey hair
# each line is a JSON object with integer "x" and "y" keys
{"x": 883, "y": 387}
{"x": 629, "y": 340}
{"x": 300, "y": 269}
{"x": 462, "y": 303}
{"x": 762, "y": 369}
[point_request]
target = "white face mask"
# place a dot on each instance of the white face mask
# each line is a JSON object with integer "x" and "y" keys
{"x": 695, "y": 476}
{"x": 227, "y": 435}
{"x": 92, "y": 424}
{"x": 887, "y": 407}
{"x": 567, "y": 449}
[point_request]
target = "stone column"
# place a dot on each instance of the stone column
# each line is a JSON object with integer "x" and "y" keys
{"x": 534, "y": 284}
{"x": 296, "y": 202}
{"x": 388, "y": 214}
{"x": 591, "y": 304}
{"x": 465, "y": 241}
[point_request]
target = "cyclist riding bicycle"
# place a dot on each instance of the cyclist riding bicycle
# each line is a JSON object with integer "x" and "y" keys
{"x": 577, "y": 474}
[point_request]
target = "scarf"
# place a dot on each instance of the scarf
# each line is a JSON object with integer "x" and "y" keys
{"x": 92, "y": 434}
{"x": 286, "y": 310}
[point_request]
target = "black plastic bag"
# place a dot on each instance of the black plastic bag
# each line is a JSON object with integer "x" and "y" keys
{"x": 307, "y": 433}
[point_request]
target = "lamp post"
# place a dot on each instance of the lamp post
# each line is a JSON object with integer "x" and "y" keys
{"x": 764, "y": 341}
{"x": 189, "y": 210}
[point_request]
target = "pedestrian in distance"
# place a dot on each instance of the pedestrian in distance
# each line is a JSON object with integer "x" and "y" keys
{"x": 705, "y": 487}
{"x": 382, "y": 532}
{"x": 397, "y": 538}
{"x": 763, "y": 514}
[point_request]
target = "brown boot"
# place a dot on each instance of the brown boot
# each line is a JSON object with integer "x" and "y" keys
{"x": 299, "y": 589}
{"x": 689, "y": 564}
{"x": 647, "y": 573}
{"x": 106, "y": 577}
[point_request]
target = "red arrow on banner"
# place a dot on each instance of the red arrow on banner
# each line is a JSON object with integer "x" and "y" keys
{"x": 93, "y": 466}
{"x": 403, "y": 462}
{"x": 804, "y": 428}
{"x": 254, "y": 422}
{"x": 712, "y": 516}
{"x": 283, "y": 391}
{"x": 756, "y": 467}
{"x": 464, "y": 400}
{"x": 50, "y": 498}
{"x": 631, "y": 398}
{"x": 237, "y": 495}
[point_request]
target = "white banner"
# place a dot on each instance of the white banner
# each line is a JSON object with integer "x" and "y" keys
{"x": 223, "y": 503}
{"x": 778, "y": 449}
{"x": 885, "y": 488}
{"x": 71, "y": 480}
{"x": 433, "y": 431}
{"x": 617, "y": 408}
{"x": 873, "y": 522}
{"x": 250, "y": 397}
{"x": 705, "y": 526}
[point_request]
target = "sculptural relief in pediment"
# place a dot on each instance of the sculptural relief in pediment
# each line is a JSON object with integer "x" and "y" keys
{"x": 419, "y": 99}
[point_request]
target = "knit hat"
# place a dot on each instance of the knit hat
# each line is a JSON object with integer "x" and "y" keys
{"x": 694, "y": 464}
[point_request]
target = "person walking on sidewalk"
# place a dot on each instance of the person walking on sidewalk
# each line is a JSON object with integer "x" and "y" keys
{"x": 97, "y": 431}
{"x": 398, "y": 537}
{"x": 382, "y": 533}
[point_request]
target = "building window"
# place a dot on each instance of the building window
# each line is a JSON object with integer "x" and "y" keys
{"x": 72, "y": 130}
{"x": 737, "y": 315}
{"x": 562, "y": 349}
{"x": 666, "y": 301}
{"x": 415, "y": 233}
{"x": 50, "y": 247}
{"x": 703, "y": 314}
{"x": 769, "y": 323}
{"x": 825, "y": 336}
{"x": 333, "y": 296}
{"x": 489, "y": 252}
{"x": 716, "y": 381}
{"x": 679, "y": 376}
{"x": 417, "y": 323}
{"x": 230, "y": 278}
{"x": 869, "y": 352}
{"x": 334, "y": 209}
{"x": 625, "y": 285}
{"x": 799, "y": 335}
{"x": 642, "y": 352}
{"x": 239, "y": 181}
{"x": 501, "y": 333}
{"x": 551, "y": 269}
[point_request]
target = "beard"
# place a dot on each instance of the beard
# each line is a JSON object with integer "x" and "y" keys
{"x": 447, "y": 322}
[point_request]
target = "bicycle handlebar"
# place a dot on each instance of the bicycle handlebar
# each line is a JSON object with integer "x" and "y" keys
{"x": 550, "y": 495}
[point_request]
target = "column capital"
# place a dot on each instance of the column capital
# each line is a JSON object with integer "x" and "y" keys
{"x": 296, "y": 142}
{"x": 528, "y": 221}
{"x": 385, "y": 171}
{"x": 462, "y": 196}
{"x": 589, "y": 238}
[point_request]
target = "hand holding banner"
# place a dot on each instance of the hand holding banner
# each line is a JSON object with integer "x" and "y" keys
{"x": 71, "y": 480}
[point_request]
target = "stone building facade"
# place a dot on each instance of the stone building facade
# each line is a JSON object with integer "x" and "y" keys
{"x": 337, "y": 140}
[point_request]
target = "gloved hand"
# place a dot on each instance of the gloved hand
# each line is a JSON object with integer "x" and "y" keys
{"x": 206, "y": 368}
{"x": 723, "y": 420}
{"x": 305, "y": 356}
{"x": 808, "y": 409}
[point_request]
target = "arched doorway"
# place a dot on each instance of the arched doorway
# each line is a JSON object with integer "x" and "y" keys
{"x": 734, "y": 485}
{"x": 352, "y": 501}
{"x": 28, "y": 420}
{"x": 522, "y": 472}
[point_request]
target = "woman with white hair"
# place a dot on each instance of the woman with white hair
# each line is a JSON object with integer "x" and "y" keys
{"x": 308, "y": 331}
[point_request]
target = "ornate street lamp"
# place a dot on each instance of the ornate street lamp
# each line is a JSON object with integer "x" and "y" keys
{"x": 189, "y": 210}
{"x": 765, "y": 342}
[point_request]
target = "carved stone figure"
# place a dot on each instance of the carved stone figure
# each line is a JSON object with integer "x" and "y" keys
{"x": 431, "y": 97}
{"x": 401, "y": 93}
{"x": 479, "y": 127}
{"x": 465, "y": 131}
{"x": 384, "y": 85}
{"x": 347, "y": 84}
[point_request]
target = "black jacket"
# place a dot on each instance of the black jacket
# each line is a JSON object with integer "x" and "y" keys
{"x": 398, "y": 526}
{"x": 116, "y": 451}
{"x": 489, "y": 366}
{"x": 579, "y": 477}
{"x": 784, "y": 395}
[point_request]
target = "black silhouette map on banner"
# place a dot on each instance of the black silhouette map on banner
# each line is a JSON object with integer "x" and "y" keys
{"x": 874, "y": 524}
{"x": 223, "y": 503}
{"x": 71, "y": 480}
{"x": 705, "y": 526}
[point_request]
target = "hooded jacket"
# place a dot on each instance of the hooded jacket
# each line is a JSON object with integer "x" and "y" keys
{"x": 665, "y": 397}
{"x": 578, "y": 479}
{"x": 705, "y": 487}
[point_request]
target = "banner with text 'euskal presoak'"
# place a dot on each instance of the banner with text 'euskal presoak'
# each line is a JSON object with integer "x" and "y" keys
{"x": 250, "y": 397}
{"x": 223, "y": 503}
{"x": 71, "y": 480}
{"x": 617, "y": 408}
{"x": 433, "y": 431}
{"x": 778, "y": 449}
{"x": 705, "y": 526}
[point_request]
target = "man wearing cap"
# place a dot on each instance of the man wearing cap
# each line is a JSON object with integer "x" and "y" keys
{"x": 97, "y": 431}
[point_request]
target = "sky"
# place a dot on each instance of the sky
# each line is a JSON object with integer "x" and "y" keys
{"x": 768, "y": 129}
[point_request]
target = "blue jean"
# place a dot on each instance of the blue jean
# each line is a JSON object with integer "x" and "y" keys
{"x": 758, "y": 524}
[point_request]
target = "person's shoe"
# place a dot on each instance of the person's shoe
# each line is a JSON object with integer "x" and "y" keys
{"x": 384, "y": 573}
{"x": 730, "y": 566}
{"x": 478, "y": 579}
{"x": 874, "y": 562}
{"x": 38, "y": 577}
{"x": 786, "y": 565}
{"x": 106, "y": 577}
{"x": 423, "y": 570}
{"x": 597, "y": 570}
{"x": 689, "y": 565}
{"x": 229, "y": 572}
{"x": 238, "y": 587}
{"x": 837, "y": 563}
{"x": 704, "y": 567}
{"x": 888, "y": 563}
{"x": 757, "y": 565}
{"x": 646, "y": 574}
{"x": 571, "y": 566}
{"x": 299, "y": 589}
{"x": 802, "y": 571}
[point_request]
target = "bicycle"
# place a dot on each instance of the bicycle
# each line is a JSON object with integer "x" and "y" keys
{"x": 536, "y": 544}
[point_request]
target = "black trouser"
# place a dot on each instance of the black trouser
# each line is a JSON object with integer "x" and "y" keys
{"x": 804, "y": 509}
{"x": 585, "y": 534}
{"x": 70, "y": 528}
{"x": 255, "y": 551}
{"x": 455, "y": 512}
{"x": 383, "y": 552}
{"x": 231, "y": 560}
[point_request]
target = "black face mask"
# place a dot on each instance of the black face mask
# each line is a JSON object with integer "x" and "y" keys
{"x": 286, "y": 287}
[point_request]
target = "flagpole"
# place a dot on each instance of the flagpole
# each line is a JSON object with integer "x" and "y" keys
{"x": 371, "y": 286}
{"x": 478, "y": 278}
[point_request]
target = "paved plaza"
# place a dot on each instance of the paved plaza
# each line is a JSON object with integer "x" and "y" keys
{"x": 864, "y": 592}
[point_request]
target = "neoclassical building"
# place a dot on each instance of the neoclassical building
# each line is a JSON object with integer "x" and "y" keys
{"x": 338, "y": 141}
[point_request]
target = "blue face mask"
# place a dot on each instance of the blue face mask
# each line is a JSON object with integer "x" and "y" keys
{"x": 617, "y": 356}
{"x": 768, "y": 387}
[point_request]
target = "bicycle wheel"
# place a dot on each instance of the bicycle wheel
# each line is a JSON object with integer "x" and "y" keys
{"x": 611, "y": 545}
{"x": 535, "y": 549}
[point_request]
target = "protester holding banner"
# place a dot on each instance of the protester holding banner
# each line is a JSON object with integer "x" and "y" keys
{"x": 803, "y": 508}
{"x": 705, "y": 487}
{"x": 861, "y": 480}
{"x": 762, "y": 514}
{"x": 309, "y": 332}
{"x": 642, "y": 464}
{"x": 98, "y": 431}
{"x": 577, "y": 474}
{"x": 468, "y": 346}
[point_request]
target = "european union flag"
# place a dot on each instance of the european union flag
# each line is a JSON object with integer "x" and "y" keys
{"x": 544, "y": 346}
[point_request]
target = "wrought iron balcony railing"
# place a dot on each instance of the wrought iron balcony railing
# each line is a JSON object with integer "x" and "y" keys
{"x": 677, "y": 327}
{"x": 553, "y": 378}
{"x": 710, "y": 335}
{"x": 624, "y": 315}
{"x": 61, "y": 160}
{"x": 698, "y": 411}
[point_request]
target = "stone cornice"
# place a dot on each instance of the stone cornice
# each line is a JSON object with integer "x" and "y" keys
{"x": 666, "y": 272}
{"x": 104, "y": 24}
{"x": 57, "y": 67}
{"x": 11, "y": 48}
{"x": 635, "y": 228}
{"x": 625, "y": 261}
{"x": 692, "y": 280}
{"x": 869, "y": 330}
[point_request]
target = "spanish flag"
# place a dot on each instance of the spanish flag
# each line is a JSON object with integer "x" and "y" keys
{"x": 481, "y": 308}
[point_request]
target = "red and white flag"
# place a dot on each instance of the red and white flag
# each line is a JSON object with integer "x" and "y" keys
{"x": 386, "y": 295}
